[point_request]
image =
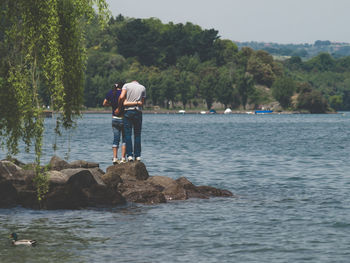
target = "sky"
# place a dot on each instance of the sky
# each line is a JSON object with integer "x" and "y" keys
{"x": 277, "y": 21}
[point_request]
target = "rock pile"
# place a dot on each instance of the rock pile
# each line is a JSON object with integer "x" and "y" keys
{"x": 82, "y": 184}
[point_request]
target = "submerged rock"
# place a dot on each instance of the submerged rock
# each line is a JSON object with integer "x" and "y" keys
{"x": 82, "y": 184}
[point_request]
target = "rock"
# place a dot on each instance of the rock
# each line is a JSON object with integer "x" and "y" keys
{"x": 212, "y": 191}
{"x": 9, "y": 171}
{"x": 8, "y": 194}
{"x": 97, "y": 173}
{"x": 131, "y": 171}
{"x": 163, "y": 181}
{"x": 141, "y": 192}
{"x": 83, "y": 164}
{"x": 79, "y": 188}
{"x": 175, "y": 192}
{"x": 100, "y": 195}
{"x": 112, "y": 177}
{"x": 172, "y": 190}
{"x": 79, "y": 178}
{"x": 190, "y": 189}
{"x": 57, "y": 164}
{"x": 28, "y": 198}
{"x": 130, "y": 179}
{"x": 15, "y": 161}
{"x": 16, "y": 185}
{"x": 57, "y": 178}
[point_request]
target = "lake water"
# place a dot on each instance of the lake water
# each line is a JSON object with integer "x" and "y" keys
{"x": 291, "y": 174}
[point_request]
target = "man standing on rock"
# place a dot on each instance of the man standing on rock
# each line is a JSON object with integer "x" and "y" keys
{"x": 133, "y": 94}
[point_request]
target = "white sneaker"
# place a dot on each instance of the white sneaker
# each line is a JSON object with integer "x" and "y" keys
{"x": 130, "y": 159}
{"x": 123, "y": 160}
{"x": 115, "y": 161}
{"x": 138, "y": 159}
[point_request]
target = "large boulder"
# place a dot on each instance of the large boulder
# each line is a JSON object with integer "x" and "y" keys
{"x": 79, "y": 188}
{"x": 130, "y": 180}
{"x": 16, "y": 186}
{"x": 130, "y": 171}
{"x": 9, "y": 171}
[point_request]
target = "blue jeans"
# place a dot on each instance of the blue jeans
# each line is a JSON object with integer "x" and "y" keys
{"x": 118, "y": 129}
{"x": 133, "y": 120}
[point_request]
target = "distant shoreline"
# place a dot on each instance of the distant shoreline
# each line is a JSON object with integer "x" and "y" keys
{"x": 48, "y": 113}
{"x": 199, "y": 112}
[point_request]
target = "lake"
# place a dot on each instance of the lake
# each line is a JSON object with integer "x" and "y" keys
{"x": 291, "y": 175}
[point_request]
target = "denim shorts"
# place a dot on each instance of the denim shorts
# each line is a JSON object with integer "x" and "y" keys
{"x": 118, "y": 130}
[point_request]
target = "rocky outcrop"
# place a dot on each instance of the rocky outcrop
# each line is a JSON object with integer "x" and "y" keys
{"x": 69, "y": 188}
{"x": 82, "y": 184}
{"x": 134, "y": 183}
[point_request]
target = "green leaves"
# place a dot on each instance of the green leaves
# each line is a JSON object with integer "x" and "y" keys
{"x": 283, "y": 90}
{"x": 44, "y": 44}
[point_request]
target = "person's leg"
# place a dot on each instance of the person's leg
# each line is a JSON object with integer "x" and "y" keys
{"x": 116, "y": 138}
{"x": 123, "y": 143}
{"x": 123, "y": 152}
{"x": 115, "y": 152}
{"x": 127, "y": 131}
{"x": 137, "y": 133}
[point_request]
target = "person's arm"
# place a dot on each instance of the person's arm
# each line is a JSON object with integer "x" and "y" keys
{"x": 123, "y": 94}
{"x": 120, "y": 105}
{"x": 133, "y": 103}
{"x": 106, "y": 103}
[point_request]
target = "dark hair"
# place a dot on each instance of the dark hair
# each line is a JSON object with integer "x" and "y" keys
{"x": 116, "y": 86}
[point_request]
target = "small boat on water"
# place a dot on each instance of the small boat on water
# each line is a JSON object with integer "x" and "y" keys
{"x": 228, "y": 111}
{"x": 263, "y": 111}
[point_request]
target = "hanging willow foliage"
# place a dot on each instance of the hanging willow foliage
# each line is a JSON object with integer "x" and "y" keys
{"x": 41, "y": 47}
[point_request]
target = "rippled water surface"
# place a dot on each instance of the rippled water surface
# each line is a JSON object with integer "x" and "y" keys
{"x": 291, "y": 174}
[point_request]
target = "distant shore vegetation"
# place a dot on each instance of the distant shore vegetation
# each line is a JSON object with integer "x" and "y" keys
{"x": 183, "y": 65}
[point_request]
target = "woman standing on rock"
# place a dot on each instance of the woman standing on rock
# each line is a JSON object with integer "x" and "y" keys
{"x": 112, "y": 99}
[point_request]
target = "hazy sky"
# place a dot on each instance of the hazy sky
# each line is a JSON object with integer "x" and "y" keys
{"x": 279, "y": 21}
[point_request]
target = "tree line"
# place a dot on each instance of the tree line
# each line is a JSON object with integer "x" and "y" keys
{"x": 183, "y": 64}
{"x": 177, "y": 63}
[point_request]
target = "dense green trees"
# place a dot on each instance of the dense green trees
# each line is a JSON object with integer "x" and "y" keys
{"x": 179, "y": 63}
{"x": 330, "y": 76}
{"x": 310, "y": 99}
{"x": 282, "y": 90}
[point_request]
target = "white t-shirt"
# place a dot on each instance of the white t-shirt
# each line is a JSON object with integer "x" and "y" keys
{"x": 134, "y": 92}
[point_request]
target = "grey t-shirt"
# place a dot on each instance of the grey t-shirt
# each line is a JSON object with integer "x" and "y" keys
{"x": 134, "y": 92}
